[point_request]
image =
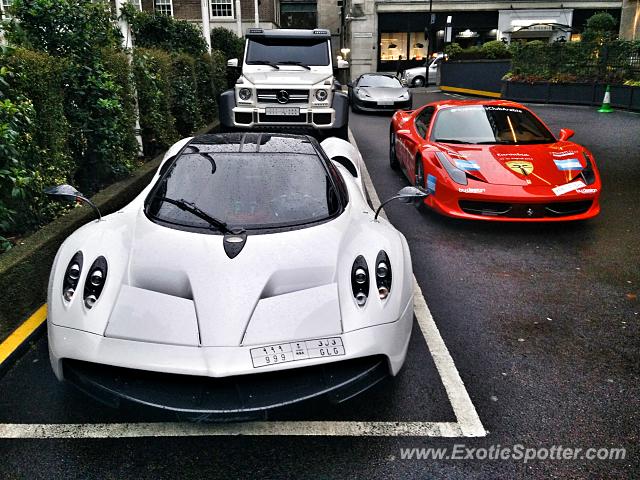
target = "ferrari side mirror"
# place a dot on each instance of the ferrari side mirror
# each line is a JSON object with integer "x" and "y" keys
{"x": 68, "y": 193}
{"x": 405, "y": 195}
{"x": 566, "y": 134}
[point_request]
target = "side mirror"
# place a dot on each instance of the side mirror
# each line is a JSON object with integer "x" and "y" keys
{"x": 566, "y": 134}
{"x": 67, "y": 193}
{"x": 232, "y": 63}
{"x": 405, "y": 195}
{"x": 343, "y": 64}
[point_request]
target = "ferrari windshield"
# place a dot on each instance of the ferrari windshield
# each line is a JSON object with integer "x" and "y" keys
{"x": 489, "y": 124}
{"x": 250, "y": 191}
{"x": 379, "y": 81}
{"x": 309, "y": 52}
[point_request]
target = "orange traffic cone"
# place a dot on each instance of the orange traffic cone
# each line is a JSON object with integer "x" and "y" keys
{"x": 606, "y": 102}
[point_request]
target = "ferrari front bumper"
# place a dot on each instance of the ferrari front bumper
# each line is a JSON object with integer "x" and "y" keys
{"x": 509, "y": 203}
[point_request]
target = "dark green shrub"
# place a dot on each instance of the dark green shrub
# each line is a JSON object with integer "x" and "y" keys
{"x": 152, "y": 70}
{"x": 227, "y": 42}
{"x": 453, "y": 50}
{"x": 39, "y": 76}
{"x": 600, "y": 27}
{"x": 495, "y": 49}
{"x": 219, "y": 72}
{"x": 184, "y": 91}
{"x": 151, "y": 30}
{"x": 206, "y": 88}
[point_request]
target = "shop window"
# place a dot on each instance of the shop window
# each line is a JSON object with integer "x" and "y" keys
{"x": 393, "y": 45}
{"x": 417, "y": 46}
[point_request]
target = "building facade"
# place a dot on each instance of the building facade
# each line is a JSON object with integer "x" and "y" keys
{"x": 382, "y": 32}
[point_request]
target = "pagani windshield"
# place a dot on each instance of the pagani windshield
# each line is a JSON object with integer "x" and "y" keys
{"x": 489, "y": 124}
{"x": 249, "y": 191}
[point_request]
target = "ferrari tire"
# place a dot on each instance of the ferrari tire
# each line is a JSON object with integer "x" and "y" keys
{"x": 393, "y": 159}
{"x": 419, "y": 181}
{"x": 417, "y": 82}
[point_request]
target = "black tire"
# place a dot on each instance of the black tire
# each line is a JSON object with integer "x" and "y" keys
{"x": 393, "y": 159}
{"x": 419, "y": 181}
{"x": 354, "y": 108}
{"x": 418, "y": 82}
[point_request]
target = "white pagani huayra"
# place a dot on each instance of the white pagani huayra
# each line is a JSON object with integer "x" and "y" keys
{"x": 250, "y": 273}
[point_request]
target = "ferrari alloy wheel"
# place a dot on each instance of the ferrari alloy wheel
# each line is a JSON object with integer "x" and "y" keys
{"x": 393, "y": 160}
{"x": 417, "y": 82}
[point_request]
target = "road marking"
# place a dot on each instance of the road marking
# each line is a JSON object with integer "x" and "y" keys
{"x": 20, "y": 334}
{"x": 467, "y": 423}
{"x": 471, "y": 91}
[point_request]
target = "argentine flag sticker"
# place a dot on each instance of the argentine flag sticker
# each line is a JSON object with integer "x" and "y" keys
{"x": 568, "y": 164}
{"x": 467, "y": 165}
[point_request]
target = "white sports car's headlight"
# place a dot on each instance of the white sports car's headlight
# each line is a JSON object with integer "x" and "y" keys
{"x": 72, "y": 277}
{"x": 360, "y": 280}
{"x": 362, "y": 94}
{"x": 95, "y": 281}
{"x": 383, "y": 275}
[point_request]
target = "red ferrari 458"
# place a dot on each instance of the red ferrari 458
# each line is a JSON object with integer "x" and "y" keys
{"x": 494, "y": 160}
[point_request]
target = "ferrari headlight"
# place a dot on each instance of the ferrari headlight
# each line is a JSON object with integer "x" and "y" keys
{"x": 383, "y": 274}
{"x": 457, "y": 175}
{"x": 321, "y": 95}
{"x": 588, "y": 175}
{"x": 363, "y": 94}
{"x": 360, "y": 280}
{"x": 95, "y": 282}
{"x": 72, "y": 277}
{"x": 245, "y": 94}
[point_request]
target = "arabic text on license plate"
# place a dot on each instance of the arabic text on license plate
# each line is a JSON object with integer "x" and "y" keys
{"x": 292, "y": 111}
{"x": 292, "y": 351}
{"x": 385, "y": 102}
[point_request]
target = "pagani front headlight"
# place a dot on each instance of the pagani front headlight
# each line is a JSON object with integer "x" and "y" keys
{"x": 72, "y": 277}
{"x": 383, "y": 275}
{"x": 95, "y": 281}
{"x": 245, "y": 94}
{"x": 587, "y": 173}
{"x": 457, "y": 175}
{"x": 321, "y": 95}
{"x": 360, "y": 280}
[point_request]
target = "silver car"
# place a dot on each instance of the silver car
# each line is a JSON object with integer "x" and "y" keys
{"x": 378, "y": 92}
{"x": 416, "y": 77}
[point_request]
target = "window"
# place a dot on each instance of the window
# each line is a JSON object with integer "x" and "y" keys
{"x": 165, "y": 7}
{"x": 276, "y": 50}
{"x": 222, "y": 8}
{"x": 423, "y": 120}
{"x": 393, "y": 46}
{"x": 137, "y": 4}
{"x": 4, "y": 7}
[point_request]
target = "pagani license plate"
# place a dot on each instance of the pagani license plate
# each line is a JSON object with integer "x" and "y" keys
{"x": 286, "y": 111}
{"x": 292, "y": 351}
{"x": 385, "y": 102}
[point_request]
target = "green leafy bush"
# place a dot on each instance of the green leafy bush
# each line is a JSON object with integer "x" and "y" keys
{"x": 153, "y": 30}
{"x": 185, "y": 94}
{"x": 152, "y": 70}
{"x": 490, "y": 50}
{"x": 39, "y": 77}
{"x": 206, "y": 88}
{"x": 219, "y": 71}
{"x": 227, "y": 42}
{"x": 495, "y": 49}
{"x": 453, "y": 50}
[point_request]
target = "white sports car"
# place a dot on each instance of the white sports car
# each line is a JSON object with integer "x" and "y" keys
{"x": 251, "y": 273}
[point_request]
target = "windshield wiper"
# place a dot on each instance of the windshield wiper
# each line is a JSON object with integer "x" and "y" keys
{"x": 299, "y": 64}
{"x": 264, "y": 62}
{"x": 452, "y": 140}
{"x": 193, "y": 209}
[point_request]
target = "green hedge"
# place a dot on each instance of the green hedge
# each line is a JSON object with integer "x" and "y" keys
{"x": 184, "y": 85}
{"x": 494, "y": 49}
{"x": 152, "y": 70}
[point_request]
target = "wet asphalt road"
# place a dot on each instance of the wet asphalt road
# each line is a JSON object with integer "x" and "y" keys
{"x": 541, "y": 321}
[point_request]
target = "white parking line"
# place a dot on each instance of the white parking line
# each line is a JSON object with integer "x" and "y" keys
{"x": 468, "y": 423}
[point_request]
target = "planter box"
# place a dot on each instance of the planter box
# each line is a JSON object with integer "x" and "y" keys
{"x": 622, "y": 96}
{"x": 478, "y": 75}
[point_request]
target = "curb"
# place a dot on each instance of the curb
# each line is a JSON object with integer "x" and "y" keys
{"x": 24, "y": 270}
